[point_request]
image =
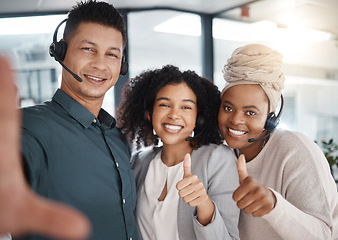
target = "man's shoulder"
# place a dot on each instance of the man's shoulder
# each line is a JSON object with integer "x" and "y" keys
{"x": 37, "y": 110}
{"x": 39, "y": 116}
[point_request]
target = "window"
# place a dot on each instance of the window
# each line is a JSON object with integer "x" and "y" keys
{"x": 157, "y": 38}
{"x": 310, "y": 88}
{"x": 26, "y": 41}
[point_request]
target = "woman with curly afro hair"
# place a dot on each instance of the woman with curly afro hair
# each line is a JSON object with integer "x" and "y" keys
{"x": 185, "y": 181}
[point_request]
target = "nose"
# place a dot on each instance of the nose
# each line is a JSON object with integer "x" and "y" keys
{"x": 99, "y": 63}
{"x": 237, "y": 118}
{"x": 174, "y": 113}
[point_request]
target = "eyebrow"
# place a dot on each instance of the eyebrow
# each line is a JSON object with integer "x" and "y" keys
{"x": 228, "y": 102}
{"x": 249, "y": 106}
{"x": 168, "y": 99}
{"x": 94, "y": 44}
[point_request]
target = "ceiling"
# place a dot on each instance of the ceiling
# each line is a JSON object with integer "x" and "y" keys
{"x": 316, "y": 14}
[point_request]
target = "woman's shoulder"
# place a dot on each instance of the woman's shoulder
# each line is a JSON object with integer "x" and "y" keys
{"x": 296, "y": 145}
{"x": 215, "y": 148}
{"x": 144, "y": 155}
{"x": 215, "y": 154}
{"x": 291, "y": 139}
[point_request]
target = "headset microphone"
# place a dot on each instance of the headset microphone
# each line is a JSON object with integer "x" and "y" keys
{"x": 194, "y": 137}
{"x": 271, "y": 122}
{"x": 58, "y": 50}
{"x": 262, "y": 138}
{"x": 51, "y": 52}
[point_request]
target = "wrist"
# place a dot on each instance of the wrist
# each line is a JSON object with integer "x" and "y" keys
{"x": 205, "y": 212}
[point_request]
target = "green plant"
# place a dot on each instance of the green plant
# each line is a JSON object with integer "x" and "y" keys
{"x": 330, "y": 150}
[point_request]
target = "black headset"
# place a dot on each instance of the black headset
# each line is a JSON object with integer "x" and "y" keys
{"x": 58, "y": 49}
{"x": 271, "y": 122}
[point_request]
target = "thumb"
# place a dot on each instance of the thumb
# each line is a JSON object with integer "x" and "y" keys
{"x": 66, "y": 221}
{"x": 187, "y": 165}
{"x": 241, "y": 168}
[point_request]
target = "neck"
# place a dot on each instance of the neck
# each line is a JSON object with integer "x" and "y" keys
{"x": 253, "y": 150}
{"x": 93, "y": 105}
{"x": 173, "y": 155}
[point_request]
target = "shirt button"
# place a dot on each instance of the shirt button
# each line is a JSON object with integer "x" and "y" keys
{"x": 94, "y": 121}
{"x": 124, "y": 201}
{"x": 130, "y": 238}
{"x": 117, "y": 164}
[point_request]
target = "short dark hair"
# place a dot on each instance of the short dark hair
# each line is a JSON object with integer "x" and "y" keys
{"x": 96, "y": 12}
{"x": 138, "y": 98}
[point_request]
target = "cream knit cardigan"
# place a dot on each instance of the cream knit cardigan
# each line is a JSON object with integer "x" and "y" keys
{"x": 295, "y": 169}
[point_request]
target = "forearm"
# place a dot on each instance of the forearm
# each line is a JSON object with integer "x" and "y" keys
{"x": 217, "y": 229}
{"x": 286, "y": 216}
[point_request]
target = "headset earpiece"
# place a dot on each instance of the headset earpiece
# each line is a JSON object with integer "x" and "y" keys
{"x": 124, "y": 66}
{"x": 58, "y": 50}
{"x": 199, "y": 121}
{"x": 147, "y": 112}
{"x": 271, "y": 122}
{"x": 148, "y": 116}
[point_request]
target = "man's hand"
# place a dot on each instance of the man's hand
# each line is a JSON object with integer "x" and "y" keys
{"x": 21, "y": 210}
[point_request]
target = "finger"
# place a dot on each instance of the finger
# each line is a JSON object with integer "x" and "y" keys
{"x": 186, "y": 183}
{"x": 198, "y": 201}
{"x": 22, "y": 211}
{"x": 260, "y": 212}
{"x": 189, "y": 185}
{"x": 187, "y": 165}
{"x": 192, "y": 196}
{"x": 9, "y": 120}
{"x": 241, "y": 168}
{"x": 248, "y": 204}
{"x": 55, "y": 219}
{"x": 257, "y": 209}
{"x": 248, "y": 185}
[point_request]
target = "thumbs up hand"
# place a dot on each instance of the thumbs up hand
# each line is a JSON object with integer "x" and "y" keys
{"x": 250, "y": 196}
{"x": 193, "y": 192}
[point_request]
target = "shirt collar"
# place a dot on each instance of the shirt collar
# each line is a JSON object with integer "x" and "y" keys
{"x": 80, "y": 113}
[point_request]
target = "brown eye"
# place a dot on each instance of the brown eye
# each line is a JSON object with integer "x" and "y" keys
{"x": 228, "y": 109}
{"x": 251, "y": 113}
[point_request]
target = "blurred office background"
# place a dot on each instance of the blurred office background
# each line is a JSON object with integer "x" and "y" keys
{"x": 199, "y": 35}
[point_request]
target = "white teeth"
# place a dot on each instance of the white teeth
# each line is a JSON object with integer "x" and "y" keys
{"x": 236, "y": 132}
{"x": 95, "y": 78}
{"x": 172, "y": 127}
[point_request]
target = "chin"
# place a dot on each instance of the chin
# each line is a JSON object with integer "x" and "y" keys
{"x": 236, "y": 144}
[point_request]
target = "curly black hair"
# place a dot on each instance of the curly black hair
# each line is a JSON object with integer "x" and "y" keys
{"x": 96, "y": 12}
{"x": 138, "y": 98}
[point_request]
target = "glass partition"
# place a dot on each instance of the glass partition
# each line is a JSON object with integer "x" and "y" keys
{"x": 161, "y": 37}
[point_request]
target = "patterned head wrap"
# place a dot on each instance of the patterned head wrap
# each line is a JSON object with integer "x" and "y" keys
{"x": 256, "y": 64}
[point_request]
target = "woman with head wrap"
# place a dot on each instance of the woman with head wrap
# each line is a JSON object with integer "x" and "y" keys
{"x": 286, "y": 190}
